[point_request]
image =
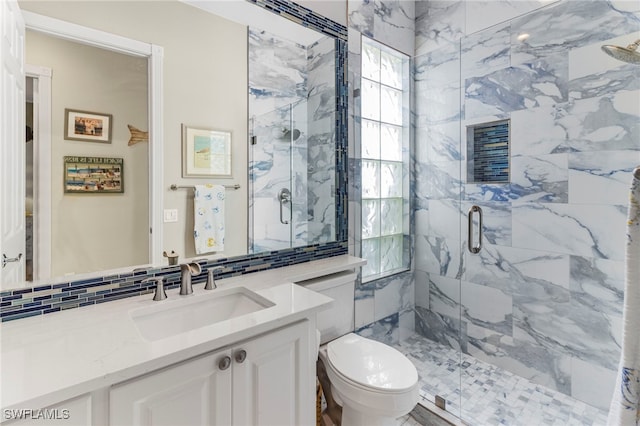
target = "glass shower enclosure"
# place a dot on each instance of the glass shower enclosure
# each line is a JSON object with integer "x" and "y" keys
{"x": 278, "y": 179}
{"x": 526, "y": 328}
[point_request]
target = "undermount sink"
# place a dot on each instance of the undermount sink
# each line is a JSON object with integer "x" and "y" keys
{"x": 188, "y": 313}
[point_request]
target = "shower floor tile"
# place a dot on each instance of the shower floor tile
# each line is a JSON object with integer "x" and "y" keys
{"x": 491, "y": 395}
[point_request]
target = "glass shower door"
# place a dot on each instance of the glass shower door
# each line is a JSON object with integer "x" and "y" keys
{"x": 277, "y": 174}
{"x": 440, "y": 220}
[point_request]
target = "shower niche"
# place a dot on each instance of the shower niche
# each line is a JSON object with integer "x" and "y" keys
{"x": 488, "y": 152}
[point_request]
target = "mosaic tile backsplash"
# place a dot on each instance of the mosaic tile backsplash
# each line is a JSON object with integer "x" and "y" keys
{"x": 22, "y": 303}
{"x": 26, "y": 302}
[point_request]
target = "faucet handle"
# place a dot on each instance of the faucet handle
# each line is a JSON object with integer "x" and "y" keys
{"x": 211, "y": 282}
{"x": 160, "y": 293}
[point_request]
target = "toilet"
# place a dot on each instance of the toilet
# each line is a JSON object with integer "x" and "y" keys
{"x": 373, "y": 382}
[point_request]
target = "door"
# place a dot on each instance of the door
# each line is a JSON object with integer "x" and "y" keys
{"x": 12, "y": 144}
{"x": 276, "y": 169}
{"x": 273, "y": 379}
{"x": 192, "y": 393}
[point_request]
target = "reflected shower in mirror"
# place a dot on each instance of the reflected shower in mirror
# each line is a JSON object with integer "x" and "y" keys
{"x": 292, "y": 141}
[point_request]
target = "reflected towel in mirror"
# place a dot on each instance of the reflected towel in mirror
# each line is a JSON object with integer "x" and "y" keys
{"x": 208, "y": 208}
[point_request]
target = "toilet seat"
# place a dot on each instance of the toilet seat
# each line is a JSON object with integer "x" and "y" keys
{"x": 371, "y": 365}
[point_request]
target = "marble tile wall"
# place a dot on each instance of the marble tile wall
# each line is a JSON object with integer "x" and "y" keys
{"x": 278, "y": 87}
{"x": 383, "y": 308}
{"x": 321, "y": 143}
{"x": 292, "y": 102}
{"x": 543, "y": 299}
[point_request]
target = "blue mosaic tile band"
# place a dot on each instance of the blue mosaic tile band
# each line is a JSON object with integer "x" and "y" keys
{"x": 44, "y": 299}
{"x": 342, "y": 152}
{"x": 303, "y": 16}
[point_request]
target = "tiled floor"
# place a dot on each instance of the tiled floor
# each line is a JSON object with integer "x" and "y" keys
{"x": 490, "y": 395}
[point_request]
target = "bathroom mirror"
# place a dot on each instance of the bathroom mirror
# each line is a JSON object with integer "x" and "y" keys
{"x": 207, "y": 66}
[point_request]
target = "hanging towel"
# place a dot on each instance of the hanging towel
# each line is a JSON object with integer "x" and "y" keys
{"x": 208, "y": 208}
{"x": 625, "y": 404}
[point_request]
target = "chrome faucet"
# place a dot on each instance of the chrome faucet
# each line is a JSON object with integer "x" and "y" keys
{"x": 186, "y": 271}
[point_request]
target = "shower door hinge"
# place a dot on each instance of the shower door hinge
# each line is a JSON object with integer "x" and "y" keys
{"x": 441, "y": 403}
{"x": 254, "y": 140}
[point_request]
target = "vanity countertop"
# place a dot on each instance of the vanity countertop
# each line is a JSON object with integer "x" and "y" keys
{"x": 53, "y": 357}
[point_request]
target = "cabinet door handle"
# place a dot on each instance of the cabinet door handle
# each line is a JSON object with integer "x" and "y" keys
{"x": 224, "y": 363}
{"x": 240, "y": 356}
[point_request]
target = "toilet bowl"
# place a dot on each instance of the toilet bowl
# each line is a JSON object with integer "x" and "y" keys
{"x": 374, "y": 383}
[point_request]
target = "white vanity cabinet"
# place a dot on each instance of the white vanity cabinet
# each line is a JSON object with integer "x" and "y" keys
{"x": 266, "y": 380}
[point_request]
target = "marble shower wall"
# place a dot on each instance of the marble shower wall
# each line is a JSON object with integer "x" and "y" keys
{"x": 383, "y": 308}
{"x": 321, "y": 142}
{"x": 277, "y": 91}
{"x": 543, "y": 299}
{"x": 292, "y": 93}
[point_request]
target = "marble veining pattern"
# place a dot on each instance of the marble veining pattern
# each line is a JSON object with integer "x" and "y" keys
{"x": 438, "y": 23}
{"x": 564, "y": 26}
{"x": 483, "y": 394}
{"x": 554, "y": 235}
{"x": 391, "y": 22}
{"x": 529, "y": 85}
{"x": 306, "y": 164}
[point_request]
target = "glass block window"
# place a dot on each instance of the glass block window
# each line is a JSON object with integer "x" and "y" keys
{"x": 385, "y": 160}
{"x": 488, "y": 150}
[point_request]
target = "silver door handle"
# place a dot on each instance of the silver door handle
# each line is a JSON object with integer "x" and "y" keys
{"x": 284, "y": 196}
{"x": 6, "y": 259}
{"x": 472, "y": 247}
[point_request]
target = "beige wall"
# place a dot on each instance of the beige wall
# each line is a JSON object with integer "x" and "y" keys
{"x": 96, "y": 231}
{"x": 205, "y": 85}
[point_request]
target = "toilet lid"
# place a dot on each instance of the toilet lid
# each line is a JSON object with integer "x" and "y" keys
{"x": 370, "y": 363}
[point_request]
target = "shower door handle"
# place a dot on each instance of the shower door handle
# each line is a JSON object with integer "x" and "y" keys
{"x": 472, "y": 247}
{"x": 284, "y": 197}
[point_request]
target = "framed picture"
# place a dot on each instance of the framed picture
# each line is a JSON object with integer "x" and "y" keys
{"x": 87, "y": 126}
{"x": 206, "y": 153}
{"x": 93, "y": 175}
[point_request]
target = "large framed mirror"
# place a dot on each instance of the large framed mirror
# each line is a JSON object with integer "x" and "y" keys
{"x": 233, "y": 66}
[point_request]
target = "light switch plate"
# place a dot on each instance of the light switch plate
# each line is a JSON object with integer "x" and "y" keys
{"x": 170, "y": 215}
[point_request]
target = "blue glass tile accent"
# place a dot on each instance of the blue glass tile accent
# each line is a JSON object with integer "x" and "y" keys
{"x": 24, "y": 310}
{"x": 490, "y": 156}
{"x": 9, "y": 298}
{"x": 23, "y": 315}
{"x": 44, "y": 287}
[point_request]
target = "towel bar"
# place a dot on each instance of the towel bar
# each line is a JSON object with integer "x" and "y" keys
{"x": 175, "y": 187}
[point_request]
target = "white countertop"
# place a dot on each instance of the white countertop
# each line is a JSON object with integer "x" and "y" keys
{"x": 53, "y": 357}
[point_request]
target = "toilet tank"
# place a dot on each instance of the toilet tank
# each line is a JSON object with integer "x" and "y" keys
{"x": 338, "y": 320}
